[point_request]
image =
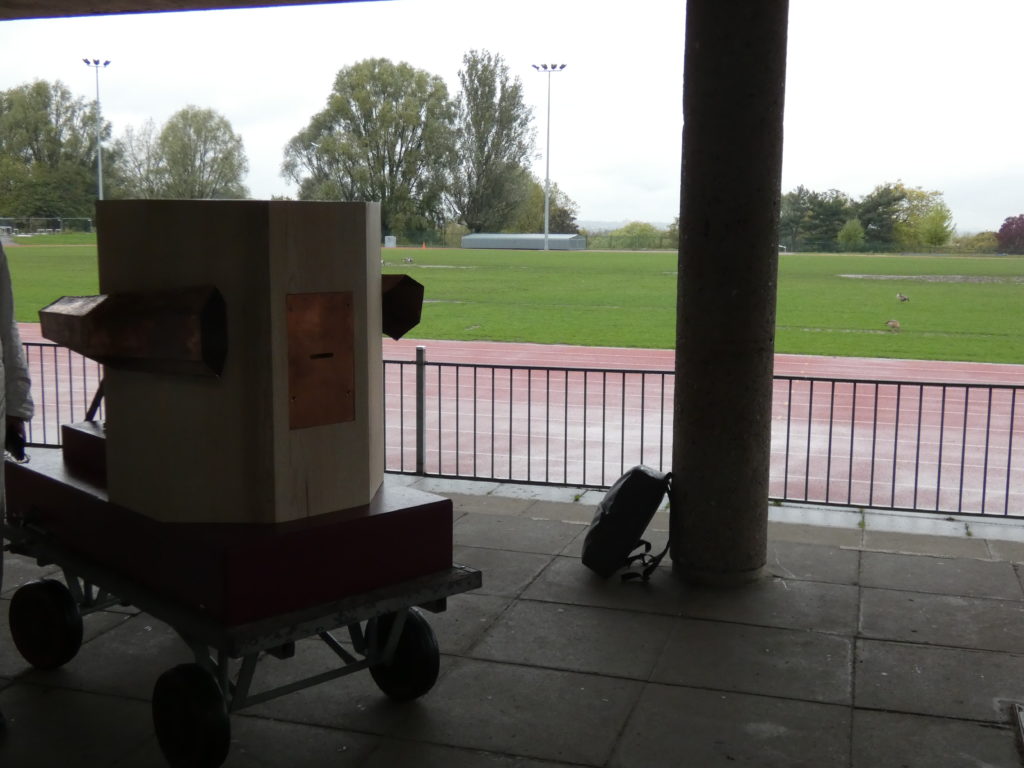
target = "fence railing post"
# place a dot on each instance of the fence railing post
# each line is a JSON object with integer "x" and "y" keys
{"x": 421, "y": 407}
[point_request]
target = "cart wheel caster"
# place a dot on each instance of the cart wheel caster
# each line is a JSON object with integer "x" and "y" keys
{"x": 45, "y": 624}
{"x": 416, "y": 662}
{"x": 190, "y": 718}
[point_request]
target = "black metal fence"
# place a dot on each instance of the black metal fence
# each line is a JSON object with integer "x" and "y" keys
{"x": 950, "y": 448}
{"x": 63, "y": 386}
{"x": 934, "y": 447}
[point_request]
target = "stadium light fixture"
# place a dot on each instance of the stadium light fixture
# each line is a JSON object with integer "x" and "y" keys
{"x": 547, "y": 69}
{"x": 97, "y": 65}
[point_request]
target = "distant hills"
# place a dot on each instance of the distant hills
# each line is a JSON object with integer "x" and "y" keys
{"x": 596, "y": 227}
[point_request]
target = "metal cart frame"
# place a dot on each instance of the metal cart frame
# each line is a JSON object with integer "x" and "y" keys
{"x": 388, "y": 635}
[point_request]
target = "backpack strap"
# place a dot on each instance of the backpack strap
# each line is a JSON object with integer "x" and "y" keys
{"x": 645, "y": 559}
{"x": 648, "y": 561}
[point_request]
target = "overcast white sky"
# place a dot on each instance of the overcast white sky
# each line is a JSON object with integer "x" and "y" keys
{"x": 923, "y": 91}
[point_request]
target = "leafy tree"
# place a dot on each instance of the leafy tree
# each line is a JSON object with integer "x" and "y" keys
{"x": 384, "y": 135}
{"x": 562, "y": 211}
{"x": 140, "y": 170}
{"x": 980, "y": 242}
{"x": 47, "y": 151}
{"x": 827, "y": 213}
{"x": 673, "y": 233}
{"x": 794, "y": 214}
{"x": 637, "y": 229}
{"x": 493, "y": 142}
{"x": 935, "y": 228}
{"x": 195, "y": 156}
{"x": 637, "y": 234}
{"x": 452, "y": 233}
{"x": 891, "y": 216}
{"x": 923, "y": 220}
{"x": 879, "y": 212}
{"x": 851, "y": 236}
{"x": 1011, "y": 235}
{"x": 201, "y": 156}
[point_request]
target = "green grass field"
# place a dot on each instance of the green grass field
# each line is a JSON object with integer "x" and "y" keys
{"x": 960, "y": 308}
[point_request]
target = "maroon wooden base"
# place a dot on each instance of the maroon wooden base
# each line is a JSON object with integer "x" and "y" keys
{"x": 237, "y": 573}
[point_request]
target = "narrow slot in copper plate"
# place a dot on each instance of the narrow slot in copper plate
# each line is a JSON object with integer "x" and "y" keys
{"x": 321, "y": 365}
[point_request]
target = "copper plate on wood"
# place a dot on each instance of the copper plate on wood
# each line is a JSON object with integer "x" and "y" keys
{"x": 321, "y": 365}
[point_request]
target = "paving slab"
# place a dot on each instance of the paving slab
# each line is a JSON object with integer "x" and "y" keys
{"x": 942, "y": 575}
{"x": 950, "y": 620}
{"x": 1012, "y": 551}
{"x": 19, "y": 570}
{"x": 941, "y": 682}
{"x": 673, "y": 726}
{"x": 513, "y": 532}
{"x": 815, "y": 534}
{"x": 593, "y": 496}
{"x": 575, "y": 547}
{"x": 540, "y": 492}
{"x": 393, "y": 753}
{"x": 504, "y": 573}
{"x": 763, "y": 660}
{"x": 915, "y": 741}
{"x": 500, "y": 505}
{"x": 813, "y": 562}
{"x": 352, "y": 702}
{"x": 447, "y": 487}
{"x": 567, "y": 581}
{"x": 550, "y": 666}
{"x": 924, "y": 544}
{"x": 602, "y": 641}
{"x": 778, "y": 602}
{"x": 259, "y": 742}
{"x": 94, "y": 626}
{"x": 558, "y": 510}
{"x": 468, "y": 617}
{"x": 538, "y": 713}
{"x": 400, "y": 479}
{"x": 49, "y": 727}
{"x": 124, "y": 661}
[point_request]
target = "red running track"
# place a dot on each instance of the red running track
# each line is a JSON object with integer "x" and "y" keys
{"x": 944, "y": 448}
{"x": 622, "y": 358}
{"x": 619, "y": 358}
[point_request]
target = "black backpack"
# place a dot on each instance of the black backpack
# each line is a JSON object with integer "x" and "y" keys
{"x": 620, "y": 521}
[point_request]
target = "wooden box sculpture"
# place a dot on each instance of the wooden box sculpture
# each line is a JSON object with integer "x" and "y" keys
{"x": 244, "y": 409}
{"x": 292, "y": 426}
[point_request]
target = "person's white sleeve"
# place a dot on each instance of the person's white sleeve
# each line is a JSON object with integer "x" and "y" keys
{"x": 17, "y": 383}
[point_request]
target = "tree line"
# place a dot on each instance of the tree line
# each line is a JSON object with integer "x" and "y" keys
{"x": 892, "y": 217}
{"x": 388, "y": 132}
{"x": 392, "y": 133}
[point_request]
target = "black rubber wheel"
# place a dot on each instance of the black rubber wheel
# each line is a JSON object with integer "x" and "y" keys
{"x": 416, "y": 662}
{"x": 45, "y": 624}
{"x": 190, "y": 718}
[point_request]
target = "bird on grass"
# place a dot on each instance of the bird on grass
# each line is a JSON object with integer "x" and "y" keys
{"x": 894, "y": 325}
{"x": 902, "y": 298}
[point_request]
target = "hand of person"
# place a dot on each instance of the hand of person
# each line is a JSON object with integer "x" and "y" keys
{"x": 14, "y": 438}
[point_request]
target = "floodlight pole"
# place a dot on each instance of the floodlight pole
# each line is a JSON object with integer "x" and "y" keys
{"x": 97, "y": 65}
{"x": 548, "y": 68}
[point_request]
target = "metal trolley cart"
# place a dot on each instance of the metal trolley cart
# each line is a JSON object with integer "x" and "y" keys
{"x": 387, "y": 633}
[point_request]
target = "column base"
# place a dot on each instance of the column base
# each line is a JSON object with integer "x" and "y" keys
{"x": 705, "y": 578}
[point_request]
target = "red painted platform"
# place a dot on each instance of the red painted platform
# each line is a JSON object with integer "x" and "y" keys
{"x": 235, "y": 574}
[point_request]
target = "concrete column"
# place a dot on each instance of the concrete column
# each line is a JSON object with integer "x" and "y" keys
{"x": 733, "y": 90}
